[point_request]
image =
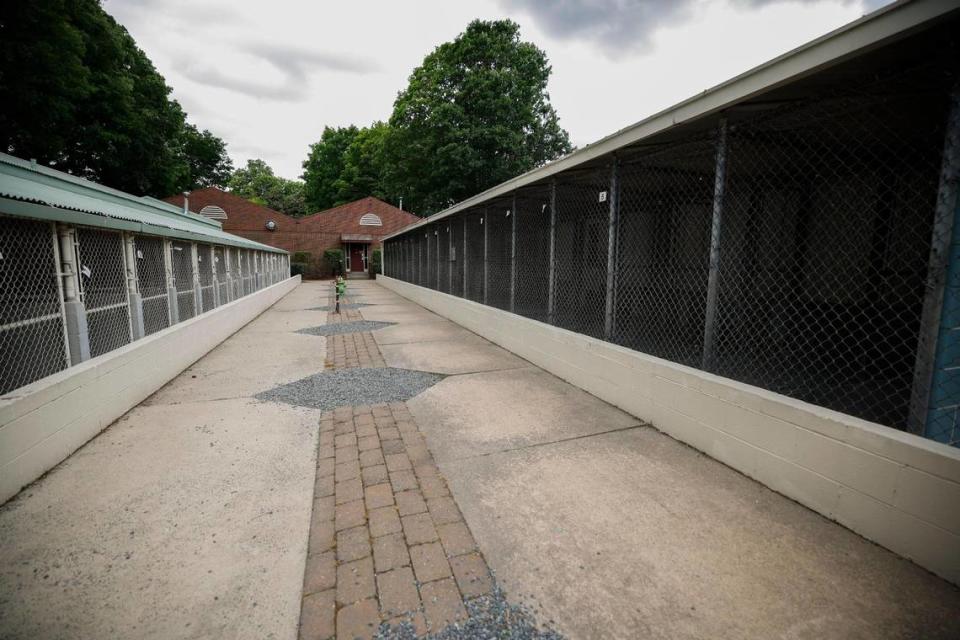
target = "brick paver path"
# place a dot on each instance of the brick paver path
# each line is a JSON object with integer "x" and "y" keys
{"x": 387, "y": 541}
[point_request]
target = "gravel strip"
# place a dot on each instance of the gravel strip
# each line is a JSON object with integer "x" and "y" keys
{"x": 491, "y": 617}
{"x": 343, "y": 305}
{"x": 352, "y": 387}
{"x": 344, "y": 327}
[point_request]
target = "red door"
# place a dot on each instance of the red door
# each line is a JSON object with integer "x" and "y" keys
{"x": 356, "y": 257}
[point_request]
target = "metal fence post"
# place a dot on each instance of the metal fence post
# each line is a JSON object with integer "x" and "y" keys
{"x": 719, "y": 185}
{"x": 75, "y": 315}
{"x": 485, "y": 221}
{"x": 948, "y": 203}
{"x": 197, "y": 292}
{"x": 213, "y": 273}
{"x": 552, "y": 278}
{"x": 451, "y": 257}
{"x": 464, "y": 291}
{"x": 436, "y": 234}
{"x": 228, "y": 273}
{"x": 133, "y": 288}
{"x": 173, "y": 305}
{"x": 612, "y": 222}
{"x": 513, "y": 252}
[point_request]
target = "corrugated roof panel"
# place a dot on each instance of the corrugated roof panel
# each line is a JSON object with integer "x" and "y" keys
{"x": 27, "y": 182}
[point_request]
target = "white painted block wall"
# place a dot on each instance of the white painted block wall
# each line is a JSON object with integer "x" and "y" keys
{"x": 897, "y": 489}
{"x": 44, "y": 422}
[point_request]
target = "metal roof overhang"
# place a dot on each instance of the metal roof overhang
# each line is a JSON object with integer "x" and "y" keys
{"x": 40, "y": 211}
{"x": 884, "y": 26}
{"x": 356, "y": 237}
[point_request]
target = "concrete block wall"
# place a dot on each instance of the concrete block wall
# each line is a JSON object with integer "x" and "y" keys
{"x": 44, "y": 422}
{"x": 897, "y": 489}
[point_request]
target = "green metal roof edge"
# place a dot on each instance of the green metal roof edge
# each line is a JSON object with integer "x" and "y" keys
{"x": 38, "y": 211}
{"x": 70, "y": 184}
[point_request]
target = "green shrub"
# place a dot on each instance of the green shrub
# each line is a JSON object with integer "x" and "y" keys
{"x": 334, "y": 261}
{"x": 301, "y": 256}
{"x": 376, "y": 263}
{"x": 298, "y": 268}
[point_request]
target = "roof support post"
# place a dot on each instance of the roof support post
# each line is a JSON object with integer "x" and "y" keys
{"x": 227, "y": 274}
{"x": 216, "y": 281}
{"x": 464, "y": 292}
{"x": 451, "y": 257}
{"x": 173, "y": 305}
{"x": 485, "y": 221}
{"x": 133, "y": 289}
{"x": 197, "y": 293}
{"x": 513, "y": 253}
{"x": 613, "y": 202}
{"x": 938, "y": 322}
{"x": 719, "y": 186}
{"x": 74, "y": 313}
{"x": 552, "y": 266}
{"x": 436, "y": 235}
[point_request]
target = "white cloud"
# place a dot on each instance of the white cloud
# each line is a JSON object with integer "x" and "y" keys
{"x": 267, "y": 77}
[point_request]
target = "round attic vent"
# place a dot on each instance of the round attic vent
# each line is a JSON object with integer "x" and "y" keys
{"x": 370, "y": 220}
{"x": 271, "y": 225}
{"x": 214, "y": 212}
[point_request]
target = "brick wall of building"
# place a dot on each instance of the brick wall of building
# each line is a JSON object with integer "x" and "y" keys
{"x": 311, "y": 234}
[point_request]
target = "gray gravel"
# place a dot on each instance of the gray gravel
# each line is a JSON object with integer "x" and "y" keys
{"x": 352, "y": 387}
{"x": 490, "y": 618}
{"x": 344, "y": 327}
{"x": 343, "y": 305}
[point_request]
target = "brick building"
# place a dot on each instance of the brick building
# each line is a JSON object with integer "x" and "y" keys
{"x": 356, "y": 227}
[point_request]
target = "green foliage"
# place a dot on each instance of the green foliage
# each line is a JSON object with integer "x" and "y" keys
{"x": 334, "y": 261}
{"x": 301, "y": 256}
{"x": 363, "y": 166}
{"x": 207, "y": 162}
{"x": 79, "y": 95}
{"x": 299, "y": 268}
{"x": 257, "y": 182}
{"x": 324, "y": 165}
{"x": 376, "y": 263}
{"x": 474, "y": 114}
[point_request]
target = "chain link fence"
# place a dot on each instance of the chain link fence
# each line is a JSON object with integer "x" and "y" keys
{"x": 205, "y": 270}
{"x": 532, "y": 254}
{"x": 220, "y": 266}
{"x": 181, "y": 256}
{"x": 152, "y": 281}
{"x": 799, "y": 247}
{"x": 32, "y": 331}
{"x": 103, "y": 289}
{"x": 72, "y": 293}
{"x": 443, "y": 256}
{"x": 498, "y": 226}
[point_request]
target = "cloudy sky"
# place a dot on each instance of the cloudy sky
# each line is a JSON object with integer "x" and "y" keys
{"x": 267, "y": 76}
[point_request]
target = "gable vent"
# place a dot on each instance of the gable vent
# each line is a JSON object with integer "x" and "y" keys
{"x": 371, "y": 220}
{"x": 214, "y": 212}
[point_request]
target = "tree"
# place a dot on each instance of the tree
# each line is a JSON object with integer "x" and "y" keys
{"x": 79, "y": 95}
{"x": 257, "y": 182}
{"x": 474, "y": 114}
{"x": 363, "y": 160}
{"x": 323, "y": 166}
{"x": 208, "y": 164}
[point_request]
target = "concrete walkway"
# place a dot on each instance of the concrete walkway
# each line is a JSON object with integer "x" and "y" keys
{"x": 609, "y": 528}
{"x": 189, "y": 517}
